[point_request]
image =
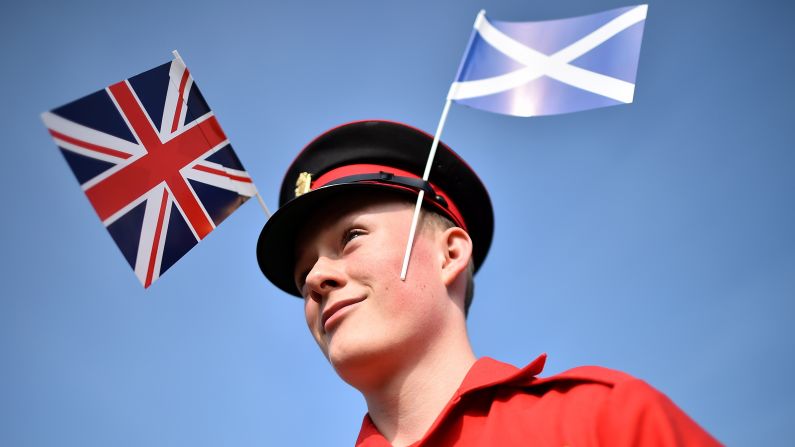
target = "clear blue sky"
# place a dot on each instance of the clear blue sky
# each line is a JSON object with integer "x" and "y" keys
{"x": 656, "y": 238}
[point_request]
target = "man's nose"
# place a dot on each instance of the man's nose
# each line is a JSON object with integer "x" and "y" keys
{"x": 326, "y": 275}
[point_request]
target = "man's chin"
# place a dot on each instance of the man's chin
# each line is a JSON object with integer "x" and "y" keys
{"x": 361, "y": 367}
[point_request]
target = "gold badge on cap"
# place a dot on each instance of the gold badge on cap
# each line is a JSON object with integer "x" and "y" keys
{"x": 303, "y": 183}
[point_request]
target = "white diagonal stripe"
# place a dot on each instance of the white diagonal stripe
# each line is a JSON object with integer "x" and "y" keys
{"x": 161, "y": 243}
{"x": 148, "y": 228}
{"x": 555, "y": 66}
{"x": 222, "y": 181}
{"x": 183, "y": 112}
{"x": 603, "y": 33}
{"x": 496, "y": 84}
{"x": 172, "y": 96}
{"x": 89, "y": 135}
{"x": 87, "y": 152}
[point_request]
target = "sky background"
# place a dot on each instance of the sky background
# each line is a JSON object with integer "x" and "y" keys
{"x": 656, "y": 238}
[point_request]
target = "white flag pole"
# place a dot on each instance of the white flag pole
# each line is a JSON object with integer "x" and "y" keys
{"x": 262, "y": 204}
{"x": 259, "y": 197}
{"x": 421, "y": 196}
{"x": 415, "y": 219}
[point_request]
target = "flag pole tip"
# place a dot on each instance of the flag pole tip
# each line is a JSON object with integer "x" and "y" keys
{"x": 479, "y": 19}
{"x": 177, "y": 57}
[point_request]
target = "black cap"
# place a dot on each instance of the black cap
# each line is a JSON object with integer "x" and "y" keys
{"x": 371, "y": 155}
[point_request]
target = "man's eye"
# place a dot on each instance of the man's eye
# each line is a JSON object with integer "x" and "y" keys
{"x": 351, "y": 234}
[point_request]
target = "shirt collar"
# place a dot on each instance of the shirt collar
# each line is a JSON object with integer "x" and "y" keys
{"x": 485, "y": 373}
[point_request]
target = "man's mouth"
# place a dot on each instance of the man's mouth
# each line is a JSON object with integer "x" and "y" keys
{"x": 334, "y": 309}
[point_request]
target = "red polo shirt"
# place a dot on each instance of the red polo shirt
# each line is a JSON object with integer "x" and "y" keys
{"x": 501, "y": 405}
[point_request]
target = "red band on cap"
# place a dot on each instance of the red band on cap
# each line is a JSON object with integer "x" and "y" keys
{"x": 450, "y": 211}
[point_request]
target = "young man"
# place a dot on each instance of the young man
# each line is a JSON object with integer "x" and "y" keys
{"x": 338, "y": 241}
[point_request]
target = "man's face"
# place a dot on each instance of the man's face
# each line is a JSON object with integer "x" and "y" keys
{"x": 361, "y": 314}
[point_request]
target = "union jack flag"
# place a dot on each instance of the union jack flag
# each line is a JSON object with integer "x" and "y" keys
{"x": 154, "y": 163}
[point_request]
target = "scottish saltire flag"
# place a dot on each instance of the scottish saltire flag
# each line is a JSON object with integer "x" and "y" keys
{"x": 154, "y": 163}
{"x": 550, "y": 67}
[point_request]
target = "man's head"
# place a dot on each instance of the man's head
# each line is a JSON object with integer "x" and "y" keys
{"x": 372, "y": 171}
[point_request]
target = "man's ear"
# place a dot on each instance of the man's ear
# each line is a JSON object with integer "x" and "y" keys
{"x": 457, "y": 250}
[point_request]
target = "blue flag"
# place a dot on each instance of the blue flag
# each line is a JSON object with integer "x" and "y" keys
{"x": 550, "y": 67}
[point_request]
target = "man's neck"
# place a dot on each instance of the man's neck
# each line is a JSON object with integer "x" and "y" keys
{"x": 405, "y": 406}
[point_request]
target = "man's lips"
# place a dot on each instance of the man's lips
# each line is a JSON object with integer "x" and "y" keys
{"x": 334, "y": 308}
